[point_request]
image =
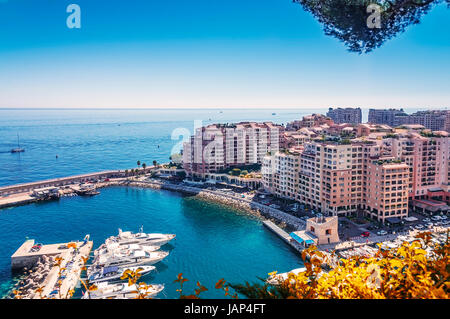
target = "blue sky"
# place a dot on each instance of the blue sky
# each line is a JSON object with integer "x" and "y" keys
{"x": 210, "y": 53}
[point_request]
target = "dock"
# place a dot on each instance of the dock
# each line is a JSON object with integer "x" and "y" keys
{"x": 54, "y": 279}
{"x": 283, "y": 235}
{"x": 21, "y": 194}
{"x": 16, "y": 200}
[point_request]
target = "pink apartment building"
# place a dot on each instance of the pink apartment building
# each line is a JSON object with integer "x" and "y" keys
{"x": 216, "y": 147}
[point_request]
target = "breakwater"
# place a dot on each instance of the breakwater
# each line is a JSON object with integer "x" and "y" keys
{"x": 51, "y": 271}
{"x": 57, "y": 182}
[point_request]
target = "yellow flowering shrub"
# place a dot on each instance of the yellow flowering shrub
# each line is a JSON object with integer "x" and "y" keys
{"x": 414, "y": 270}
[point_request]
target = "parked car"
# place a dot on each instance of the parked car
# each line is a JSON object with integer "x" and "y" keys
{"x": 436, "y": 218}
{"x": 419, "y": 226}
{"x": 382, "y": 233}
{"x": 426, "y": 220}
{"x": 429, "y": 225}
{"x": 443, "y": 217}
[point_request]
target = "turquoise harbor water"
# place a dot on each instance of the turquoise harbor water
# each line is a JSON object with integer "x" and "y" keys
{"x": 213, "y": 242}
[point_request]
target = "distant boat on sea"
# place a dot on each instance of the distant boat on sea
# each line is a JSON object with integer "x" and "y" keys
{"x": 18, "y": 149}
{"x": 274, "y": 113}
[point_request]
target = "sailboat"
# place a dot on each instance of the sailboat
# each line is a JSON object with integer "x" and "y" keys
{"x": 18, "y": 149}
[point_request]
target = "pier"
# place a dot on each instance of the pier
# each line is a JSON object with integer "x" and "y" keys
{"x": 56, "y": 182}
{"x": 22, "y": 194}
{"x": 283, "y": 235}
{"x": 53, "y": 269}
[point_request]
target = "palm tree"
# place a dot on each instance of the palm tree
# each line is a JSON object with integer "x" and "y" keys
{"x": 144, "y": 166}
{"x": 155, "y": 163}
{"x": 138, "y": 163}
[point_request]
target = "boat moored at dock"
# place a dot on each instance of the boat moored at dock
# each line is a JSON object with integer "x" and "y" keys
{"x": 134, "y": 258}
{"x": 115, "y": 273}
{"x": 127, "y": 237}
{"x": 116, "y": 247}
{"x": 121, "y": 291}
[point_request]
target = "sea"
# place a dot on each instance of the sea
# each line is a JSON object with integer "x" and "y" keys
{"x": 213, "y": 241}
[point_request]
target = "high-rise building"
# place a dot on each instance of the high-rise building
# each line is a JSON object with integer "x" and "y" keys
{"x": 280, "y": 173}
{"x": 435, "y": 120}
{"x": 345, "y": 115}
{"x": 216, "y": 147}
{"x": 391, "y": 117}
{"x": 428, "y": 157}
{"x": 339, "y": 178}
{"x": 386, "y": 189}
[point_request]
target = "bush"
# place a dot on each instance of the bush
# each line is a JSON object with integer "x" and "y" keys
{"x": 235, "y": 172}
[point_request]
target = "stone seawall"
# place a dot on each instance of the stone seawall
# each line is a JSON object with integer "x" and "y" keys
{"x": 256, "y": 209}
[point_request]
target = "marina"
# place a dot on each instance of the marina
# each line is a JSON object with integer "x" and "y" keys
{"x": 114, "y": 258}
{"x": 52, "y": 271}
{"x": 212, "y": 241}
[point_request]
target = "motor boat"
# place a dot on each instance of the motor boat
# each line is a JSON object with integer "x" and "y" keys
{"x": 130, "y": 259}
{"x": 121, "y": 291}
{"x": 114, "y": 273}
{"x": 127, "y": 237}
{"x": 277, "y": 279}
{"x": 116, "y": 247}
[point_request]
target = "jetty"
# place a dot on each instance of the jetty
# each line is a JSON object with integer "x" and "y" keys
{"x": 51, "y": 271}
{"x": 283, "y": 235}
{"x": 26, "y": 193}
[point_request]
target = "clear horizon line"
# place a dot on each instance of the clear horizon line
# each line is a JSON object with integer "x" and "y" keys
{"x": 220, "y": 107}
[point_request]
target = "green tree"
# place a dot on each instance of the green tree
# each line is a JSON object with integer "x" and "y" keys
{"x": 138, "y": 163}
{"x": 347, "y": 20}
{"x": 144, "y": 166}
{"x": 235, "y": 172}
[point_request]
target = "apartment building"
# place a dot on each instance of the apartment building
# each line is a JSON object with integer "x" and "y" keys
{"x": 336, "y": 178}
{"x": 345, "y": 115}
{"x": 313, "y": 120}
{"x": 280, "y": 173}
{"x": 391, "y": 117}
{"x": 217, "y": 147}
{"x": 386, "y": 189}
{"x": 428, "y": 157}
{"x": 434, "y": 120}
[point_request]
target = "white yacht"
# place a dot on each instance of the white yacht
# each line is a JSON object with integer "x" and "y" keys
{"x": 116, "y": 247}
{"x": 142, "y": 238}
{"x": 114, "y": 273}
{"x": 279, "y": 278}
{"x": 133, "y": 258}
{"x": 120, "y": 291}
